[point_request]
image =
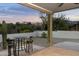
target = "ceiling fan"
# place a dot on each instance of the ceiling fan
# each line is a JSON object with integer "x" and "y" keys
{"x": 60, "y": 4}
{"x": 76, "y": 3}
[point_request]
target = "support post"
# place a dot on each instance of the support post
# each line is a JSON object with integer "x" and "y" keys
{"x": 18, "y": 46}
{"x": 49, "y": 29}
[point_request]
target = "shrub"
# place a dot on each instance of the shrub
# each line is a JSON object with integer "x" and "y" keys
{"x": 44, "y": 35}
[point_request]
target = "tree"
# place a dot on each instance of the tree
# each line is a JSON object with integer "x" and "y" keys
{"x": 11, "y": 28}
{"x": 23, "y": 27}
{"x": 44, "y": 19}
{"x": 60, "y": 23}
{"x": 4, "y": 34}
{"x": 0, "y": 28}
{"x": 18, "y": 27}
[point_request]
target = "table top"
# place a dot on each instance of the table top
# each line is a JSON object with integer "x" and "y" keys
{"x": 54, "y": 51}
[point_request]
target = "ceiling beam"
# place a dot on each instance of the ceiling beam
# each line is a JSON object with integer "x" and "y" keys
{"x": 33, "y": 6}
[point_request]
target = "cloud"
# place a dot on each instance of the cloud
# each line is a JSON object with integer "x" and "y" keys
{"x": 12, "y": 12}
{"x": 14, "y": 19}
{"x": 73, "y": 17}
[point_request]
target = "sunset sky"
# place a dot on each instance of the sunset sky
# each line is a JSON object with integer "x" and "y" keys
{"x": 19, "y": 12}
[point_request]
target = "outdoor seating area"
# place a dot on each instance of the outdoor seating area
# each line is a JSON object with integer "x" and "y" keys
{"x": 20, "y": 44}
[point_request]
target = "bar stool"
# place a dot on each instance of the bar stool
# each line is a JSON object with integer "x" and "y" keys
{"x": 29, "y": 46}
{"x": 11, "y": 44}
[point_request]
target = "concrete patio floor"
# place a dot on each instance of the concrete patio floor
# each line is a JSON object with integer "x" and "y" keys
{"x": 54, "y": 51}
{"x": 69, "y": 48}
{"x": 35, "y": 48}
{"x": 68, "y": 45}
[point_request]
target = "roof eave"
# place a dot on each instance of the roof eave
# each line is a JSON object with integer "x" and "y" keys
{"x": 33, "y": 6}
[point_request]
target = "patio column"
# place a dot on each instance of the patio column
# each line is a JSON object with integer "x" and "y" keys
{"x": 49, "y": 29}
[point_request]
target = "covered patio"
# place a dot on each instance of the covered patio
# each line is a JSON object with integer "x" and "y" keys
{"x": 50, "y": 9}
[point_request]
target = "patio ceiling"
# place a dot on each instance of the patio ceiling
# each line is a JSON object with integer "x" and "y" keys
{"x": 52, "y": 7}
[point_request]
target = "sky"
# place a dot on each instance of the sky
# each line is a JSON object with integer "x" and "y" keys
{"x": 73, "y": 14}
{"x": 13, "y": 12}
{"x": 15, "y": 9}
